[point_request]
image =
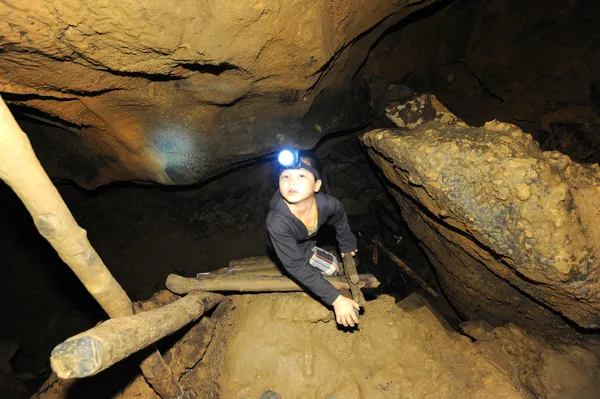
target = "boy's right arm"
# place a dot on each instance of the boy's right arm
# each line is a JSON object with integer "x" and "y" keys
{"x": 297, "y": 265}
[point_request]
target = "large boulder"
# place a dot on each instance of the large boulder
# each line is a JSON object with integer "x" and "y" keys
{"x": 511, "y": 230}
{"x": 176, "y": 93}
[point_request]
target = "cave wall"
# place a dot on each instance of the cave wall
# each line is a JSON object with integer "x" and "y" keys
{"x": 532, "y": 64}
{"x": 174, "y": 94}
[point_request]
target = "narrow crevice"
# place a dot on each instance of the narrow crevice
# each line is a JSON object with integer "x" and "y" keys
{"x": 212, "y": 69}
{"x": 154, "y": 77}
{"x": 25, "y": 112}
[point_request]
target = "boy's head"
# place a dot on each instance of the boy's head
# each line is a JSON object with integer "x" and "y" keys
{"x": 301, "y": 183}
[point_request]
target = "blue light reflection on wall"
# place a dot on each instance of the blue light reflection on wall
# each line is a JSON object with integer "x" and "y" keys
{"x": 180, "y": 153}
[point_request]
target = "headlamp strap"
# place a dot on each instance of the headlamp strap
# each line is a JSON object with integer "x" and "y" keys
{"x": 312, "y": 170}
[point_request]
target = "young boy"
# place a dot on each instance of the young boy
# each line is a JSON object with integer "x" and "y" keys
{"x": 297, "y": 212}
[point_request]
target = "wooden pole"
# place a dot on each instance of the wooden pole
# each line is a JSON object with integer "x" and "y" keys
{"x": 212, "y": 283}
{"x": 239, "y": 271}
{"x": 92, "y": 351}
{"x": 353, "y": 278}
{"x": 377, "y": 241}
{"x": 22, "y": 171}
{"x": 252, "y": 263}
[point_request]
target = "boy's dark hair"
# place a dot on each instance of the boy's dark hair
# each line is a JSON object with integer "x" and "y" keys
{"x": 313, "y": 162}
{"x": 307, "y": 159}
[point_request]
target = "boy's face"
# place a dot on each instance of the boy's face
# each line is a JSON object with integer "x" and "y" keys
{"x": 296, "y": 185}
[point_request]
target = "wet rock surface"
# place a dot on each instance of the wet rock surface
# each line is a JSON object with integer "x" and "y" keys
{"x": 507, "y": 226}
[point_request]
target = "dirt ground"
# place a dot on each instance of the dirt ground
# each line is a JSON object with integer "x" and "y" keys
{"x": 291, "y": 344}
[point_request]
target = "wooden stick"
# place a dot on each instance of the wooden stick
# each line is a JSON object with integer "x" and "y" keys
{"x": 352, "y": 277}
{"x": 92, "y": 351}
{"x": 377, "y": 241}
{"x": 182, "y": 285}
{"x": 22, "y": 171}
{"x": 256, "y": 272}
{"x": 253, "y": 263}
{"x": 350, "y": 268}
{"x": 240, "y": 271}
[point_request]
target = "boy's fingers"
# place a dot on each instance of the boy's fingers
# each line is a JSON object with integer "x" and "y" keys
{"x": 353, "y": 318}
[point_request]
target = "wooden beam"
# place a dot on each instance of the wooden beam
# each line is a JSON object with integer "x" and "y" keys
{"x": 94, "y": 350}
{"x": 377, "y": 242}
{"x": 353, "y": 278}
{"x": 252, "y": 263}
{"x": 233, "y": 282}
{"x": 22, "y": 171}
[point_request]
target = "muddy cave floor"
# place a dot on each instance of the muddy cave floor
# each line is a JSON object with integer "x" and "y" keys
{"x": 143, "y": 233}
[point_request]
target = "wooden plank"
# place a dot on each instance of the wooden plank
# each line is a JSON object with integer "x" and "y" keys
{"x": 219, "y": 283}
{"x": 94, "y": 350}
{"x": 404, "y": 267}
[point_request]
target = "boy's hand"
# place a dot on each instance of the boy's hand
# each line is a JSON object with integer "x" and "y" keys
{"x": 345, "y": 311}
{"x": 351, "y": 253}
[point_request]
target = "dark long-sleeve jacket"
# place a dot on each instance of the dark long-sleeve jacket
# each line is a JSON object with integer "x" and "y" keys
{"x": 290, "y": 240}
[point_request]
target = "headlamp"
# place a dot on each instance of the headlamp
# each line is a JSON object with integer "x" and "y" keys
{"x": 290, "y": 159}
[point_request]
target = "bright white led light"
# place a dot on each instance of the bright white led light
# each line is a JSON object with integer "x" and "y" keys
{"x": 286, "y": 158}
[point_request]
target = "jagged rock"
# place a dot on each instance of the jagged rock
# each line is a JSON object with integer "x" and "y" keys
{"x": 291, "y": 344}
{"x": 142, "y": 91}
{"x": 497, "y": 216}
{"x": 569, "y": 371}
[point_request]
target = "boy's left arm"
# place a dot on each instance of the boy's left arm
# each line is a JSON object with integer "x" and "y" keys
{"x": 339, "y": 220}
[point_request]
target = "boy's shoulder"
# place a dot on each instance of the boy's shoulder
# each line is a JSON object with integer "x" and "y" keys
{"x": 326, "y": 200}
{"x": 279, "y": 224}
{"x": 279, "y": 214}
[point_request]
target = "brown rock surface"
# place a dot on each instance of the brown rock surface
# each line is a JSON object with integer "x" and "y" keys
{"x": 290, "y": 343}
{"x": 537, "y": 369}
{"x": 498, "y": 217}
{"x": 174, "y": 94}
